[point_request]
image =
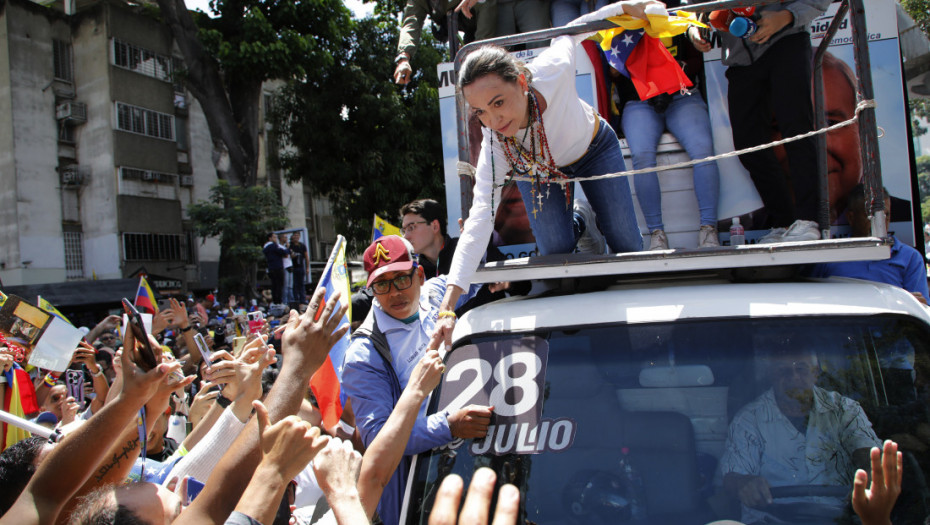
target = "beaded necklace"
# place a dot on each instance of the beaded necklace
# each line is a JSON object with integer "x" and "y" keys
{"x": 19, "y": 353}
{"x": 540, "y": 169}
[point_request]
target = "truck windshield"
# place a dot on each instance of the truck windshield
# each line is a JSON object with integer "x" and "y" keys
{"x": 667, "y": 423}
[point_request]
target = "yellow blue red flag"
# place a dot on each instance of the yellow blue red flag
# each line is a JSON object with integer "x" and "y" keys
{"x": 145, "y": 297}
{"x": 326, "y": 380}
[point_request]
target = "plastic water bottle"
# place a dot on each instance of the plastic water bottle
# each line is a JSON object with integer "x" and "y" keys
{"x": 737, "y": 233}
{"x": 743, "y": 27}
{"x": 635, "y": 484}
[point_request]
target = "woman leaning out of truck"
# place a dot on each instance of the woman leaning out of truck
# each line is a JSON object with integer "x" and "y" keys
{"x": 534, "y": 125}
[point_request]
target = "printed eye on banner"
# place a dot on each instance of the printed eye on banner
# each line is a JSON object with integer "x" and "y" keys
{"x": 510, "y": 376}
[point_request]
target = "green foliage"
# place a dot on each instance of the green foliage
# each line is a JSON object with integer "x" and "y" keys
{"x": 920, "y": 12}
{"x": 923, "y": 185}
{"x": 364, "y": 142}
{"x": 259, "y": 40}
{"x": 240, "y": 217}
{"x": 920, "y": 109}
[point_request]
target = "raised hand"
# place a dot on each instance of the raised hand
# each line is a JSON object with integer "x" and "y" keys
{"x": 477, "y": 503}
{"x": 427, "y": 374}
{"x": 289, "y": 444}
{"x": 308, "y": 337}
{"x": 873, "y": 505}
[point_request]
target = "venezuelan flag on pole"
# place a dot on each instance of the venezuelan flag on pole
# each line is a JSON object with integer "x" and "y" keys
{"x": 325, "y": 382}
{"x": 50, "y": 308}
{"x": 19, "y": 399}
{"x": 145, "y": 297}
{"x": 383, "y": 227}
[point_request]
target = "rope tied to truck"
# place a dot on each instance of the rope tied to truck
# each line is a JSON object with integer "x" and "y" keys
{"x": 466, "y": 169}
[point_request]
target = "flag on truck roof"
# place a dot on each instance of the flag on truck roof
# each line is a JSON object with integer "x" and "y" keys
{"x": 635, "y": 49}
{"x": 325, "y": 381}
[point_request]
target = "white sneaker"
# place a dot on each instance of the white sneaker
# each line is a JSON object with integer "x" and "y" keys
{"x": 802, "y": 230}
{"x": 591, "y": 240}
{"x": 775, "y": 235}
{"x": 707, "y": 237}
{"x": 658, "y": 240}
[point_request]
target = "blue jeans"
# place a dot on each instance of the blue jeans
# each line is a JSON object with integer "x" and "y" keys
{"x": 610, "y": 199}
{"x": 564, "y": 11}
{"x": 686, "y": 118}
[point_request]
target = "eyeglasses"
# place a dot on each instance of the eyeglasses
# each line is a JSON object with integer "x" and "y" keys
{"x": 401, "y": 282}
{"x": 412, "y": 226}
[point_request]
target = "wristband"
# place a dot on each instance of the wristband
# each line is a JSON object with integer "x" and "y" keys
{"x": 447, "y": 313}
{"x": 99, "y": 372}
{"x": 188, "y": 329}
{"x": 401, "y": 56}
{"x": 345, "y": 427}
{"x": 50, "y": 379}
{"x": 223, "y": 401}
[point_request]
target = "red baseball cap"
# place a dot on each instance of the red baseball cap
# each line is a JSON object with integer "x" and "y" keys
{"x": 390, "y": 253}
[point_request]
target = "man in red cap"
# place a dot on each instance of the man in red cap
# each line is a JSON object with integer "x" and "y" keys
{"x": 384, "y": 352}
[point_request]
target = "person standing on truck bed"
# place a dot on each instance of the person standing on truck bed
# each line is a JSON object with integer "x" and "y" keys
{"x": 769, "y": 73}
{"x": 385, "y": 350}
{"x": 535, "y": 125}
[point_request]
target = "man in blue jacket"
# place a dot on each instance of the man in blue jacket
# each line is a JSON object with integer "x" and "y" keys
{"x": 384, "y": 352}
{"x": 274, "y": 256}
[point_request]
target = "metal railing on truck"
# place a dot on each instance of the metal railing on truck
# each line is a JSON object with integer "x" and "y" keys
{"x": 827, "y": 250}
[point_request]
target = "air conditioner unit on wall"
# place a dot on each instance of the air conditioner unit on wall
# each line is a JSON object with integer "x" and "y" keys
{"x": 74, "y": 175}
{"x": 148, "y": 175}
{"x": 75, "y": 112}
{"x": 187, "y": 180}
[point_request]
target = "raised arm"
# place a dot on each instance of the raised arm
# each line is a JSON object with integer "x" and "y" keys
{"x": 387, "y": 449}
{"x": 305, "y": 345}
{"x": 73, "y": 460}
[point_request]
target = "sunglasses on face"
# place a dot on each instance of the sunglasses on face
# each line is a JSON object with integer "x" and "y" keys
{"x": 401, "y": 282}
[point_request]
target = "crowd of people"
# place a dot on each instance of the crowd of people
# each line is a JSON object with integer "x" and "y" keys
{"x": 232, "y": 434}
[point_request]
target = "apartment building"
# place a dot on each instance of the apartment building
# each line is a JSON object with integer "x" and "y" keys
{"x": 102, "y": 151}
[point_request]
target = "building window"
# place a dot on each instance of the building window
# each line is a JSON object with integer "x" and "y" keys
{"x": 65, "y": 133}
{"x": 140, "y": 60}
{"x": 155, "y": 247}
{"x": 61, "y": 54}
{"x": 147, "y": 175}
{"x": 74, "y": 255}
{"x": 144, "y": 121}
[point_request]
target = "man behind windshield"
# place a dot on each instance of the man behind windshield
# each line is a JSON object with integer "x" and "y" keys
{"x": 794, "y": 434}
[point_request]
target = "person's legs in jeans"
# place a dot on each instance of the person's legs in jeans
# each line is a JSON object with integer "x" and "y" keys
{"x": 687, "y": 119}
{"x": 794, "y": 113}
{"x": 288, "y": 295}
{"x": 552, "y": 221}
{"x": 564, "y": 11}
{"x": 751, "y": 125}
{"x": 610, "y": 198}
{"x": 643, "y": 128}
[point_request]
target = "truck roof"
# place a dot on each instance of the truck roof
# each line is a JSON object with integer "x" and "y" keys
{"x": 674, "y": 300}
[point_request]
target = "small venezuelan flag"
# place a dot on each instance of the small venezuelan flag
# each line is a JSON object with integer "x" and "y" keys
{"x": 145, "y": 297}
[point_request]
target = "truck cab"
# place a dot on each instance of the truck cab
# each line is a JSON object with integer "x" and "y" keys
{"x": 623, "y": 400}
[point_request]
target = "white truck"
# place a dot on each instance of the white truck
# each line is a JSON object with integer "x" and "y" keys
{"x": 627, "y": 387}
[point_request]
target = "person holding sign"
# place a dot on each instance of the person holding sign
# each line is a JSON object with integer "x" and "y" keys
{"x": 385, "y": 351}
{"x": 534, "y": 125}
